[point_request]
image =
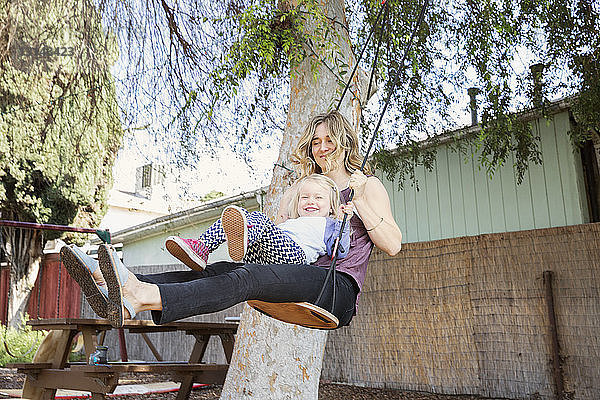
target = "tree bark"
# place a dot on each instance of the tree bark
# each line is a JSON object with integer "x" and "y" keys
{"x": 273, "y": 359}
{"x": 24, "y": 249}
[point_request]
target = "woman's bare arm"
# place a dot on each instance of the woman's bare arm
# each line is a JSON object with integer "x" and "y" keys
{"x": 372, "y": 203}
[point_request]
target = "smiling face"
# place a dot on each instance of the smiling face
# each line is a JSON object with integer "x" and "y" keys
{"x": 332, "y": 134}
{"x": 313, "y": 200}
{"x": 321, "y": 146}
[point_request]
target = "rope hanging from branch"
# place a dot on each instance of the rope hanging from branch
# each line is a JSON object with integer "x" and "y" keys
{"x": 420, "y": 18}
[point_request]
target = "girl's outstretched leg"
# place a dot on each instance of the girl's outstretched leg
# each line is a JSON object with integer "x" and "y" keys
{"x": 275, "y": 246}
{"x": 235, "y": 226}
{"x": 254, "y": 238}
{"x": 194, "y": 252}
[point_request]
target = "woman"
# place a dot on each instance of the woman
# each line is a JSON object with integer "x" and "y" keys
{"x": 328, "y": 146}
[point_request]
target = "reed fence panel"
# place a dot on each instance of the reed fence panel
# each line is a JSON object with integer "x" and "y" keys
{"x": 469, "y": 315}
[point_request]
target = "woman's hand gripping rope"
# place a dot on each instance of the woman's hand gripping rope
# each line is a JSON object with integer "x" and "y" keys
{"x": 358, "y": 183}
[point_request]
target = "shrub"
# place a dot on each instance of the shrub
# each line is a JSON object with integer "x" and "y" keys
{"x": 22, "y": 343}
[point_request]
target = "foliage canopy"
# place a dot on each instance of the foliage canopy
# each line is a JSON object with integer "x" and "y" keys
{"x": 228, "y": 64}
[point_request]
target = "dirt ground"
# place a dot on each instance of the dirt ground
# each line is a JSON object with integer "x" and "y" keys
{"x": 10, "y": 379}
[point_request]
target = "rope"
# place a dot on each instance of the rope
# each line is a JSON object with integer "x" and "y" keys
{"x": 395, "y": 82}
{"x": 375, "y": 25}
{"x": 376, "y": 58}
{"x": 385, "y": 106}
{"x": 331, "y": 272}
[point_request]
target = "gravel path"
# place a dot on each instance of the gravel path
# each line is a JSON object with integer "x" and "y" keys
{"x": 10, "y": 379}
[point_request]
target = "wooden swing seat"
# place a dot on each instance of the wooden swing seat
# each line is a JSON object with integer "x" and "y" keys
{"x": 303, "y": 314}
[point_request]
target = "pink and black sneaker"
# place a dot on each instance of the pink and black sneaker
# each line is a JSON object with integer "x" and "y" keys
{"x": 191, "y": 252}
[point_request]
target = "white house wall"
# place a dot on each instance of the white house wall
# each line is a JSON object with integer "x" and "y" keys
{"x": 152, "y": 251}
{"x": 118, "y": 218}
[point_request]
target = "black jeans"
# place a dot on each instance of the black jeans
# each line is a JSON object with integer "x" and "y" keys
{"x": 225, "y": 284}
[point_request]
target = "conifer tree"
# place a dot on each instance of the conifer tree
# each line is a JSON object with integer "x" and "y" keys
{"x": 59, "y": 127}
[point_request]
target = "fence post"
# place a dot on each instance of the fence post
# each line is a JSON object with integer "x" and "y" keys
{"x": 555, "y": 347}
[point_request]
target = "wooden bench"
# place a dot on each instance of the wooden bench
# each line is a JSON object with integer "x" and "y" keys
{"x": 30, "y": 368}
{"x": 50, "y": 370}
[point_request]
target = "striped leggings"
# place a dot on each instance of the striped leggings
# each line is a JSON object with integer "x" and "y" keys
{"x": 267, "y": 244}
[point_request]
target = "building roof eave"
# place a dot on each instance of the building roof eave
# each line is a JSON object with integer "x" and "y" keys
{"x": 461, "y": 133}
{"x": 181, "y": 219}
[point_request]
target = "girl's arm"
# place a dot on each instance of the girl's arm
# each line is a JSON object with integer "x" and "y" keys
{"x": 372, "y": 204}
{"x": 332, "y": 232}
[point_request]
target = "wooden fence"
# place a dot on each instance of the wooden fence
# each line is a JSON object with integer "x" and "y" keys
{"x": 48, "y": 291}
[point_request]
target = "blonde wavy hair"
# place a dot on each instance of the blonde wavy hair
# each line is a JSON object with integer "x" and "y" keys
{"x": 326, "y": 183}
{"x": 343, "y": 137}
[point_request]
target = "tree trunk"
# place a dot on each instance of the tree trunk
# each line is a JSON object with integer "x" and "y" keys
{"x": 272, "y": 359}
{"x": 24, "y": 251}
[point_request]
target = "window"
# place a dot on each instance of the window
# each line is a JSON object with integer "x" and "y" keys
{"x": 147, "y": 176}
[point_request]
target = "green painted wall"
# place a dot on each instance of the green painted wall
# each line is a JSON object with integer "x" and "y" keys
{"x": 457, "y": 198}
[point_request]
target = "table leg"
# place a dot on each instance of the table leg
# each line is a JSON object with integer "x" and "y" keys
{"x": 123, "y": 345}
{"x": 197, "y": 353}
{"x": 54, "y": 349}
{"x": 101, "y": 338}
{"x": 228, "y": 341}
{"x": 48, "y": 394}
{"x": 89, "y": 341}
{"x": 151, "y": 346}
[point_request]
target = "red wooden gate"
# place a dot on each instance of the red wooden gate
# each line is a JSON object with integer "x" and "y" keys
{"x": 54, "y": 302}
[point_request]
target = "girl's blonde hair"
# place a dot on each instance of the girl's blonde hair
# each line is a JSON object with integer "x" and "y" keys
{"x": 326, "y": 183}
{"x": 343, "y": 137}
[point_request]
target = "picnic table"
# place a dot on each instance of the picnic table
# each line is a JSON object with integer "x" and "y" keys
{"x": 50, "y": 369}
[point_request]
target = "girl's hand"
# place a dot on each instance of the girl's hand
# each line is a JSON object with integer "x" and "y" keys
{"x": 357, "y": 182}
{"x": 347, "y": 208}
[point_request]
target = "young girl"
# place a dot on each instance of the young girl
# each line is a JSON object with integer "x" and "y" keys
{"x": 311, "y": 231}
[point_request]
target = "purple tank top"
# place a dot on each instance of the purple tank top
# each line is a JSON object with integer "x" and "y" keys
{"x": 355, "y": 263}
